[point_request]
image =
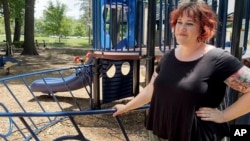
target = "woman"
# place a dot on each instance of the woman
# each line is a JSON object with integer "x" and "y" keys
{"x": 189, "y": 83}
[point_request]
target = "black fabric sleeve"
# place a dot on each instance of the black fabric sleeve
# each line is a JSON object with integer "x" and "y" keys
{"x": 226, "y": 65}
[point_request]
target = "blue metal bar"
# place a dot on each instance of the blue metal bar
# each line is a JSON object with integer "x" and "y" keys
{"x": 28, "y": 127}
{"x": 247, "y": 13}
{"x": 80, "y": 134}
{"x": 37, "y": 72}
{"x": 224, "y": 24}
{"x": 237, "y": 25}
{"x": 220, "y": 14}
{"x": 18, "y": 102}
{"x": 10, "y": 123}
{"x": 151, "y": 39}
{"x": 214, "y": 6}
{"x": 63, "y": 113}
{"x": 122, "y": 128}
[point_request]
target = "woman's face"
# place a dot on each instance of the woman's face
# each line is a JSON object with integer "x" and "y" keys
{"x": 186, "y": 30}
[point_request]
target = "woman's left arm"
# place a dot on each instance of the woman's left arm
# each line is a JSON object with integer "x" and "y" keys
{"x": 239, "y": 81}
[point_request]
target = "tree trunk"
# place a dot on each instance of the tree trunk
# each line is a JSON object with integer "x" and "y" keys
{"x": 17, "y": 30}
{"x": 29, "y": 43}
{"x": 6, "y": 13}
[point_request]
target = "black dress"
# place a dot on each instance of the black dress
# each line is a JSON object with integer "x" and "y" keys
{"x": 181, "y": 88}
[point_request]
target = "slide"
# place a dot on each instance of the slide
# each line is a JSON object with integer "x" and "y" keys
{"x": 75, "y": 81}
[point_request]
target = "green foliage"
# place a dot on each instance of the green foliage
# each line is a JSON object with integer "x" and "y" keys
{"x": 48, "y": 25}
{"x": 2, "y": 30}
{"x": 54, "y": 22}
{"x": 229, "y": 24}
{"x": 18, "y": 44}
{"x": 17, "y": 9}
{"x": 54, "y": 18}
{"x": 66, "y": 26}
{"x": 71, "y": 27}
{"x": 39, "y": 24}
{"x": 80, "y": 30}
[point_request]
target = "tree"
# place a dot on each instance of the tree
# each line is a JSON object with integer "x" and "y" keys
{"x": 29, "y": 43}
{"x": 55, "y": 19}
{"x": 39, "y": 30}
{"x": 79, "y": 30}
{"x": 6, "y": 13}
{"x": 17, "y": 14}
{"x": 86, "y": 6}
{"x": 66, "y": 26}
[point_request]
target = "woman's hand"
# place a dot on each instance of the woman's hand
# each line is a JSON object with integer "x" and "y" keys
{"x": 120, "y": 109}
{"x": 210, "y": 114}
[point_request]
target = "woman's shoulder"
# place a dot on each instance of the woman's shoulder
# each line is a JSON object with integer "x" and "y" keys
{"x": 215, "y": 51}
{"x": 222, "y": 56}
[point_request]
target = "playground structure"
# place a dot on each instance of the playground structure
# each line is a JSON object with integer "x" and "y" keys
{"x": 79, "y": 79}
{"x": 6, "y": 62}
{"x": 127, "y": 34}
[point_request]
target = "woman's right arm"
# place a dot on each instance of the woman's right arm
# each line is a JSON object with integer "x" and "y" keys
{"x": 142, "y": 98}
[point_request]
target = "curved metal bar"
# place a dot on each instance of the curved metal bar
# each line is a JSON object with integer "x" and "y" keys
{"x": 122, "y": 128}
{"x": 69, "y": 114}
{"x": 10, "y": 123}
{"x": 64, "y": 113}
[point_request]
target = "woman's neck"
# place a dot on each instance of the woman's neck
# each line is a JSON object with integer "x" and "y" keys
{"x": 190, "y": 52}
{"x": 192, "y": 48}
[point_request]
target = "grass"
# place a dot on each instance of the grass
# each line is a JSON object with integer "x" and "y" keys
{"x": 82, "y": 42}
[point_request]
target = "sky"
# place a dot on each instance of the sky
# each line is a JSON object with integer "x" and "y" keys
{"x": 72, "y": 5}
{"x": 231, "y": 6}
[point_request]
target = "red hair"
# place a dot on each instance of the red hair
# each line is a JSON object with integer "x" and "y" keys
{"x": 199, "y": 12}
